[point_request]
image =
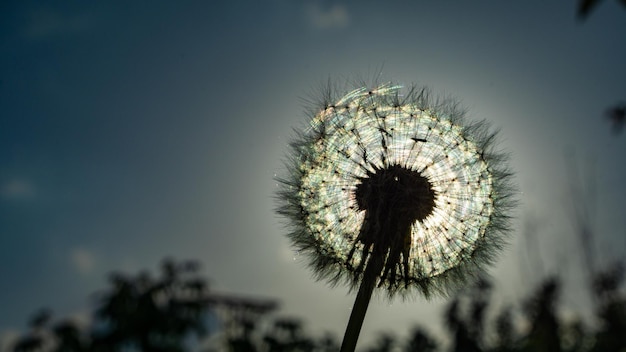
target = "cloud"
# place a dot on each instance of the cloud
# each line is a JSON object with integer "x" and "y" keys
{"x": 334, "y": 16}
{"x": 17, "y": 189}
{"x": 46, "y": 23}
{"x": 82, "y": 260}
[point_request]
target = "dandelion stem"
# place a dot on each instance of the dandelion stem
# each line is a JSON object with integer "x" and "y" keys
{"x": 372, "y": 270}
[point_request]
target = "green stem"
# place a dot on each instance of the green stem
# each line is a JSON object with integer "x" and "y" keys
{"x": 362, "y": 301}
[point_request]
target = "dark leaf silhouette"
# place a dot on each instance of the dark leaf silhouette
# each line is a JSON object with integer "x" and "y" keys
{"x": 385, "y": 343}
{"x": 420, "y": 341}
{"x": 611, "y": 309}
{"x": 287, "y": 336}
{"x": 617, "y": 116}
{"x": 585, "y": 7}
{"x": 541, "y": 311}
{"x": 146, "y": 313}
{"x": 153, "y": 314}
{"x": 465, "y": 317}
{"x": 505, "y": 331}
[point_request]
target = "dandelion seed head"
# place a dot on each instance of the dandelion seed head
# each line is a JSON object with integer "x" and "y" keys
{"x": 382, "y": 172}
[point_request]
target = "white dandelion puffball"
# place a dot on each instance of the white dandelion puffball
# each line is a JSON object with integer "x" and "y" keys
{"x": 386, "y": 173}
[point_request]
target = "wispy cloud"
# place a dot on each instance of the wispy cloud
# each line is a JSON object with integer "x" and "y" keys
{"x": 45, "y": 23}
{"x": 83, "y": 260}
{"x": 334, "y": 16}
{"x": 17, "y": 189}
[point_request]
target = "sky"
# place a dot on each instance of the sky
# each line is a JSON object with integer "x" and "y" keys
{"x": 135, "y": 131}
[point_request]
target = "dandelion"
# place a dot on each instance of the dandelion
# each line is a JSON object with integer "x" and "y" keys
{"x": 390, "y": 189}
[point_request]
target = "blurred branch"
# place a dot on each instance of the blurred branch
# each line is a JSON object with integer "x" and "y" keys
{"x": 585, "y": 7}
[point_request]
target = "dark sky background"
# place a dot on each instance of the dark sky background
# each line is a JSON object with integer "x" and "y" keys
{"x": 132, "y": 131}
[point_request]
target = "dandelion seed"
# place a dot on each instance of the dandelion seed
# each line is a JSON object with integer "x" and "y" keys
{"x": 395, "y": 191}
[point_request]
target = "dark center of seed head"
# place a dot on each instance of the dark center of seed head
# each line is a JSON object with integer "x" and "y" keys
{"x": 403, "y": 194}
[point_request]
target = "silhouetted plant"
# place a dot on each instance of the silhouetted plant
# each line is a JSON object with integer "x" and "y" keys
{"x": 541, "y": 311}
{"x": 617, "y": 117}
{"x": 240, "y": 319}
{"x": 611, "y": 309}
{"x": 385, "y": 343}
{"x": 465, "y": 317}
{"x": 574, "y": 337}
{"x": 153, "y": 315}
{"x": 248, "y": 325}
{"x": 388, "y": 188}
{"x": 616, "y": 113}
{"x": 328, "y": 343}
{"x": 506, "y": 336}
{"x": 70, "y": 338}
{"x": 39, "y": 337}
{"x": 287, "y": 336}
{"x": 585, "y": 7}
{"x": 140, "y": 313}
{"x": 420, "y": 341}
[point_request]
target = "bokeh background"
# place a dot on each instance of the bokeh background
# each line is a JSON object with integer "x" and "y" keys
{"x": 132, "y": 131}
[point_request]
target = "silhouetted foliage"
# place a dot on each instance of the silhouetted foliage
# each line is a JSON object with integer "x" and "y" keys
{"x": 617, "y": 116}
{"x": 286, "y": 336}
{"x": 70, "y": 338}
{"x": 505, "y": 332}
{"x": 136, "y": 313}
{"x": 585, "y": 7}
{"x": 617, "y": 113}
{"x": 153, "y": 314}
{"x": 144, "y": 313}
{"x": 328, "y": 343}
{"x": 420, "y": 341}
{"x": 465, "y": 317}
{"x": 611, "y": 309}
{"x": 541, "y": 311}
{"x": 385, "y": 343}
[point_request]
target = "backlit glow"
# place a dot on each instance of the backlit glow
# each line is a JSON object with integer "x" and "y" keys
{"x": 344, "y": 202}
{"x": 363, "y": 134}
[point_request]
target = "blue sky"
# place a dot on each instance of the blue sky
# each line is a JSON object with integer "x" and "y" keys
{"x": 134, "y": 131}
